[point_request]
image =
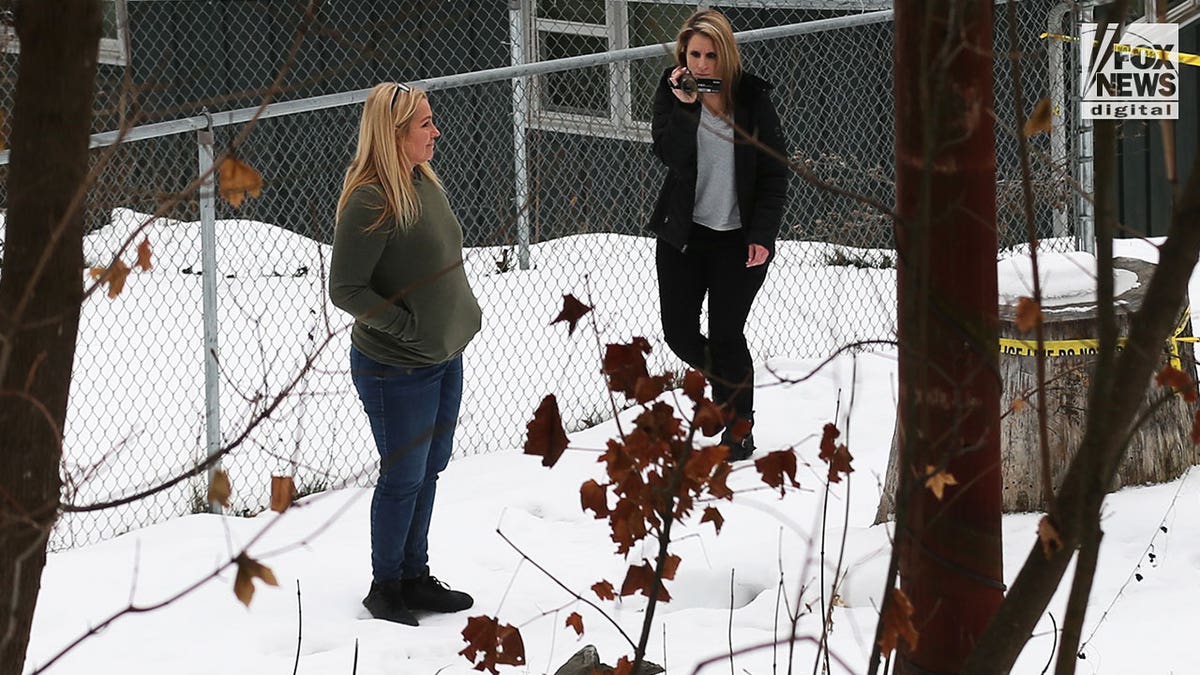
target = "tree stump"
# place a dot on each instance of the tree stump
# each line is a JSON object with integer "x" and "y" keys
{"x": 586, "y": 661}
{"x": 1159, "y": 450}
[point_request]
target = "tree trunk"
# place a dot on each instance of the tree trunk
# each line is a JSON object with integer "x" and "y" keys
{"x": 1160, "y": 449}
{"x": 949, "y": 549}
{"x": 40, "y": 291}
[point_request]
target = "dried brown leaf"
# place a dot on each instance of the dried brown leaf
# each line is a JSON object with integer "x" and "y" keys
{"x": 624, "y": 364}
{"x": 219, "y": 488}
{"x": 283, "y": 493}
{"x": 575, "y": 621}
{"x": 649, "y": 388}
{"x": 1029, "y": 314}
{"x": 1039, "y": 121}
{"x": 572, "y": 311}
{"x": 238, "y": 180}
{"x": 499, "y": 644}
{"x": 1048, "y": 534}
{"x": 628, "y": 523}
{"x": 640, "y": 578}
{"x": 114, "y": 275}
{"x": 839, "y": 463}
{"x": 604, "y": 590}
{"x": 1170, "y": 376}
{"x": 700, "y": 464}
{"x": 937, "y": 481}
{"x": 828, "y": 434}
{"x": 545, "y": 436}
{"x": 249, "y": 569}
{"x": 143, "y": 256}
{"x": 711, "y": 514}
{"x": 670, "y": 566}
{"x": 708, "y": 417}
{"x": 659, "y": 423}
{"x": 897, "y": 623}
{"x": 594, "y": 497}
{"x": 717, "y": 486}
{"x": 693, "y": 385}
{"x": 777, "y": 466}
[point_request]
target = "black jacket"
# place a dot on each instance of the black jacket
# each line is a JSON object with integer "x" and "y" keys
{"x": 761, "y": 179}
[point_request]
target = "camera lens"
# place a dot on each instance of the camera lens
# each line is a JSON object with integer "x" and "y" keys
{"x": 687, "y": 82}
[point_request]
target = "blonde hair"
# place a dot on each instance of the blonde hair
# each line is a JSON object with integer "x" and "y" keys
{"x": 713, "y": 25}
{"x": 387, "y": 112}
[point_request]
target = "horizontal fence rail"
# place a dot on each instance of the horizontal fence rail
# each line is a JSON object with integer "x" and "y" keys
{"x": 547, "y": 164}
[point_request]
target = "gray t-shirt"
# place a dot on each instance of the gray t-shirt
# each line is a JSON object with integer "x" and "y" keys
{"x": 716, "y": 204}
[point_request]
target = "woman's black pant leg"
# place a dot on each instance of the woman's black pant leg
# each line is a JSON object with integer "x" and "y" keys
{"x": 681, "y": 288}
{"x": 730, "y": 297}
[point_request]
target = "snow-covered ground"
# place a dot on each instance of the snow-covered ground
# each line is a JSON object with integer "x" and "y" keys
{"x": 1142, "y": 617}
{"x": 733, "y": 588}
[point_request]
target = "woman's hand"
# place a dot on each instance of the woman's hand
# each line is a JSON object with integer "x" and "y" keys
{"x": 679, "y": 93}
{"x": 757, "y": 255}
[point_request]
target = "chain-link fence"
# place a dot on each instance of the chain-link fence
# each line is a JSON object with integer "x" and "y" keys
{"x": 549, "y": 169}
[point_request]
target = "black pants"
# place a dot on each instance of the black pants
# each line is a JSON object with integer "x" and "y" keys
{"x": 714, "y": 263}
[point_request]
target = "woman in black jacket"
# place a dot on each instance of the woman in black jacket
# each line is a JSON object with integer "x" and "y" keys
{"x": 718, "y": 212}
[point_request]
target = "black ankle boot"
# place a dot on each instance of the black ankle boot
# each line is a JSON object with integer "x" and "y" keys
{"x": 429, "y": 594}
{"x": 385, "y": 601}
{"x": 739, "y": 448}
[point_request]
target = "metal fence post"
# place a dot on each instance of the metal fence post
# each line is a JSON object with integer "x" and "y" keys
{"x": 208, "y": 261}
{"x": 520, "y": 110}
{"x": 1085, "y": 236}
{"x": 1059, "y": 107}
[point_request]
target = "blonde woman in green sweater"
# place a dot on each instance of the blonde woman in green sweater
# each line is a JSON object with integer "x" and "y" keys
{"x": 397, "y": 268}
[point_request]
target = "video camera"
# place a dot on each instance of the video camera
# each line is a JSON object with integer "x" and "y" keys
{"x": 690, "y": 84}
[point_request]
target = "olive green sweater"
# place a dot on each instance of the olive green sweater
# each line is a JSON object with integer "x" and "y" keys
{"x": 407, "y": 291}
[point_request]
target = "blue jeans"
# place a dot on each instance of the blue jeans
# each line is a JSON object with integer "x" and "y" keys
{"x": 413, "y": 413}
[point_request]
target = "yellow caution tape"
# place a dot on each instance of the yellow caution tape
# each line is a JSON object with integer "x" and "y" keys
{"x": 1188, "y": 59}
{"x": 1175, "y": 339}
{"x": 1017, "y": 347}
{"x": 1089, "y": 347}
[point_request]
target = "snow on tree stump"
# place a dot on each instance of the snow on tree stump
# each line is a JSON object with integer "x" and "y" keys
{"x": 1159, "y": 450}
